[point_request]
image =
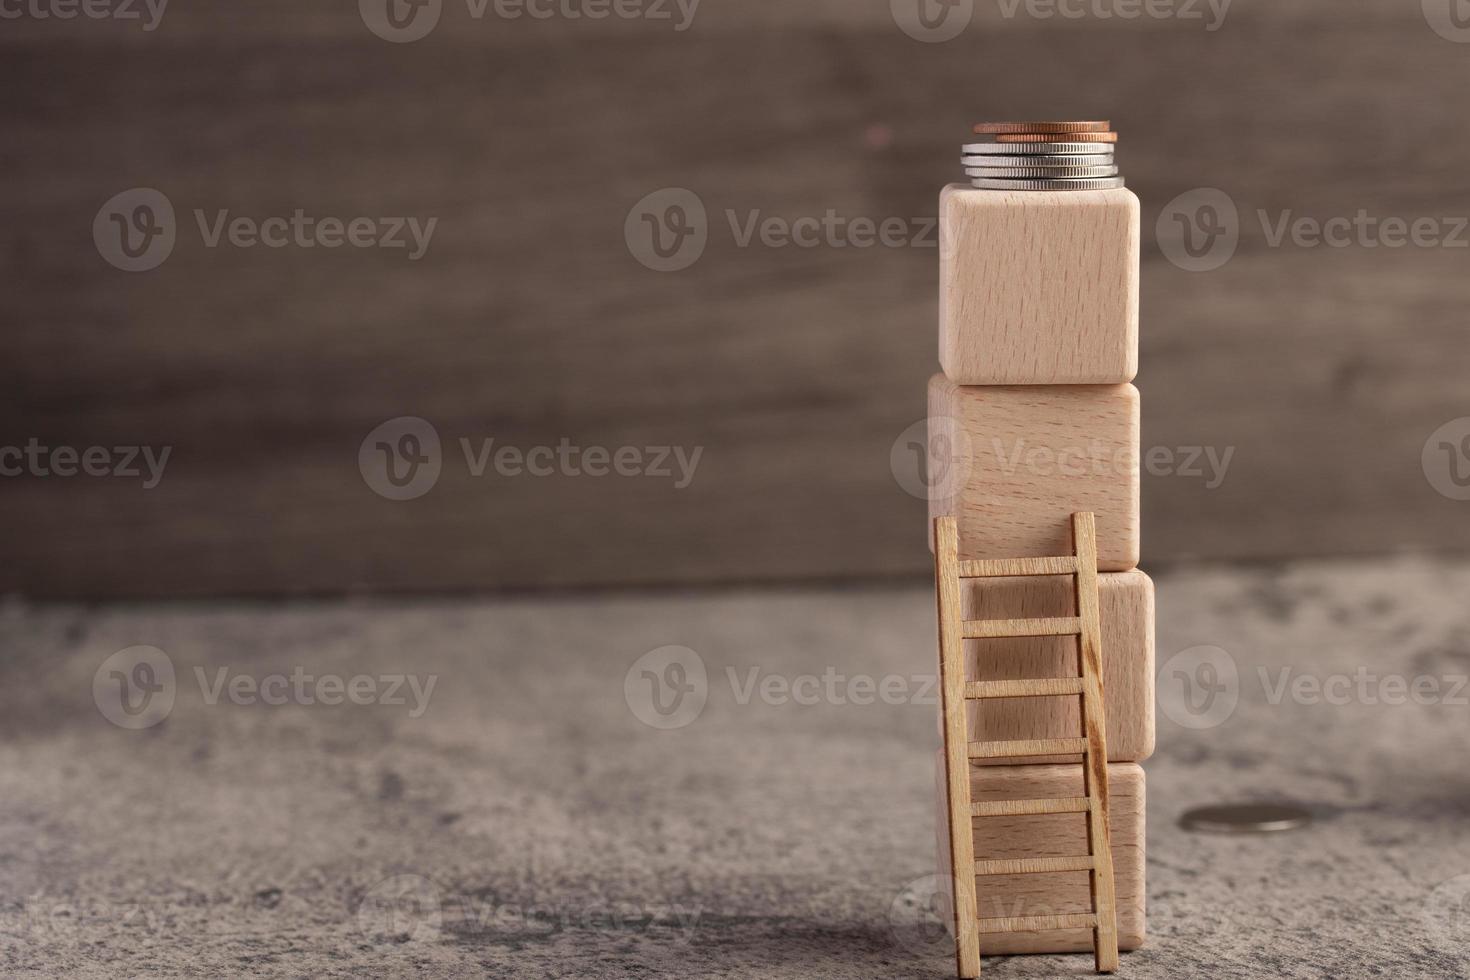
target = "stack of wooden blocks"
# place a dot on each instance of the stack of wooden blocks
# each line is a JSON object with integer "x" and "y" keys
{"x": 1035, "y": 418}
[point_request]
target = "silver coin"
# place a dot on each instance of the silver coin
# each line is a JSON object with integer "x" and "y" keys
{"x": 1046, "y": 160}
{"x": 1034, "y": 173}
{"x": 1047, "y": 183}
{"x": 1250, "y": 818}
{"x": 1033, "y": 149}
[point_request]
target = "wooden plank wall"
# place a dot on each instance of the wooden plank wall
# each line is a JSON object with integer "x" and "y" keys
{"x": 529, "y": 321}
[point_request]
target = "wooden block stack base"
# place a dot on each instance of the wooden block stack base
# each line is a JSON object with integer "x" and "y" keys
{"x": 1051, "y": 835}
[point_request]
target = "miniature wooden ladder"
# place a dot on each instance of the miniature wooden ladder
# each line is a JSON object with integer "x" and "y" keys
{"x": 959, "y": 750}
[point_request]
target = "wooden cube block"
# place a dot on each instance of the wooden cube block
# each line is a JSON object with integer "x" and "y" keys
{"x": 1013, "y": 463}
{"x": 1126, "y": 605}
{"x": 1038, "y": 287}
{"x": 1050, "y": 835}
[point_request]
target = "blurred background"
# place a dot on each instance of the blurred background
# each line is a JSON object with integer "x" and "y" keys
{"x": 461, "y": 200}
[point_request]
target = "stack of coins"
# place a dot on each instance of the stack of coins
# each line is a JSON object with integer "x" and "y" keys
{"x": 1043, "y": 156}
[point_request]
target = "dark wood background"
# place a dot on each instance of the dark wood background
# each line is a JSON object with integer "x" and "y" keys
{"x": 529, "y": 321}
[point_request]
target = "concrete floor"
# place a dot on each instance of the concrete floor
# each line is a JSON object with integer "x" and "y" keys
{"x": 520, "y": 820}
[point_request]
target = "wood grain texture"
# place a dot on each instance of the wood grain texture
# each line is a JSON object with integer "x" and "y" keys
{"x": 1057, "y": 835}
{"x": 1021, "y": 460}
{"x": 1038, "y": 287}
{"x": 795, "y": 368}
{"x": 1126, "y": 605}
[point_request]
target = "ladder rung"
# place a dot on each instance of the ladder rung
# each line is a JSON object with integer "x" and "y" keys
{"x": 1034, "y": 866}
{"x": 1033, "y": 746}
{"x": 1010, "y": 567}
{"x": 990, "y": 629}
{"x": 1039, "y": 923}
{"x": 1049, "y": 687}
{"x": 1026, "y": 808}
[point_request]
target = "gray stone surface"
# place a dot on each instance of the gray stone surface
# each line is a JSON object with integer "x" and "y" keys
{"x": 527, "y": 824}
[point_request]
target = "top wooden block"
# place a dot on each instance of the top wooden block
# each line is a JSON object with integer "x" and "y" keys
{"x": 1038, "y": 287}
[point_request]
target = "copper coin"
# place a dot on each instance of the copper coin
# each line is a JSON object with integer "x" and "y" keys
{"x": 995, "y": 128}
{"x": 1038, "y": 149}
{"x": 1057, "y": 138}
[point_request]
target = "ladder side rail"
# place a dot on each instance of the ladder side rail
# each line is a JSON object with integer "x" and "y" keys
{"x": 956, "y": 747}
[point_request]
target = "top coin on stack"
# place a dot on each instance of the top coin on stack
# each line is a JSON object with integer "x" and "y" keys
{"x": 1043, "y": 156}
